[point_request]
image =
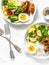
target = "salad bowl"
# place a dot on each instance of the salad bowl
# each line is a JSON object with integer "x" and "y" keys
{"x": 34, "y": 46}
{"x": 11, "y": 19}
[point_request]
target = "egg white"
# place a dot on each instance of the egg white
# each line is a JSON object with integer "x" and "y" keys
{"x": 30, "y": 52}
{"x": 23, "y": 20}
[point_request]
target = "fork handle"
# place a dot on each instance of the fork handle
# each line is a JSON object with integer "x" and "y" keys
{"x": 11, "y": 52}
{"x": 12, "y": 55}
{"x": 15, "y": 46}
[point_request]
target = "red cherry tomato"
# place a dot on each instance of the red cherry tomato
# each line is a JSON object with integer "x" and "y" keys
{"x": 9, "y": 12}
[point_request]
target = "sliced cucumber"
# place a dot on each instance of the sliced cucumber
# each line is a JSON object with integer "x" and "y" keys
{"x": 33, "y": 40}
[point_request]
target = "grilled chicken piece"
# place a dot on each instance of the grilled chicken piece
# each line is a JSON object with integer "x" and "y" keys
{"x": 31, "y": 8}
{"x": 25, "y": 6}
{"x": 46, "y": 48}
{"x": 45, "y": 41}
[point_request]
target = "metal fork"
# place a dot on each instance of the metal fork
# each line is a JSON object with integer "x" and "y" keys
{"x": 7, "y": 31}
{"x": 8, "y": 36}
{"x": 17, "y": 48}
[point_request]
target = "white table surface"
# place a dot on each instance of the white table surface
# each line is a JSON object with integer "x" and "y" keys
{"x": 17, "y": 33}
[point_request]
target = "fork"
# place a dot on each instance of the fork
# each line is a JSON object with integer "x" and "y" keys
{"x": 17, "y": 48}
{"x": 8, "y": 36}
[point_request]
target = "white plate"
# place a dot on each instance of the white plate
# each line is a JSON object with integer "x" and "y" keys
{"x": 31, "y": 16}
{"x": 38, "y": 57}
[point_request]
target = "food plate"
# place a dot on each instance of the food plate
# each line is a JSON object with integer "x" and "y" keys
{"x": 12, "y": 14}
{"x": 36, "y": 43}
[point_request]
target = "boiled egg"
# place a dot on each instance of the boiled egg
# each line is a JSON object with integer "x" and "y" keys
{"x": 23, "y": 17}
{"x": 31, "y": 49}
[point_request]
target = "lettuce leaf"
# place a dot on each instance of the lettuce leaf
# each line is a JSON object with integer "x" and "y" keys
{"x": 4, "y": 2}
{"x": 11, "y": 6}
{"x": 13, "y": 18}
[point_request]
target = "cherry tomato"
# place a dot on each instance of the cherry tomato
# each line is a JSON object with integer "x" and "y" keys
{"x": 9, "y": 12}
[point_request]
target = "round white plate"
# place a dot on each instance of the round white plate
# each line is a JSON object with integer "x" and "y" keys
{"x": 31, "y": 17}
{"x": 38, "y": 57}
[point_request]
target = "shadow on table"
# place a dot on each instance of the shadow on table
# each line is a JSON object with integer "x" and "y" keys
{"x": 36, "y": 15}
{"x": 41, "y": 61}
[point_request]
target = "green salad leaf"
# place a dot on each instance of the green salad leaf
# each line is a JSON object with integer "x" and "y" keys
{"x": 18, "y": 10}
{"x": 45, "y": 32}
{"x": 4, "y": 2}
{"x": 13, "y": 18}
{"x": 11, "y": 6}
{"x": 32, "y": 34}
{"x": 40, "y": 38}
{"x": 41, "y": 27}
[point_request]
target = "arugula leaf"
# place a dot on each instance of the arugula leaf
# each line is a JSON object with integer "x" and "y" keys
{"x": 11, "y": 6}
{"x": 4, "y": 2}
{"x": 40, "y": 38}
{"x": 13, "y": 18}
{"x": 41, "y": 27}
{"x": 45, "y": 32}
{"x": 32, "y": 34}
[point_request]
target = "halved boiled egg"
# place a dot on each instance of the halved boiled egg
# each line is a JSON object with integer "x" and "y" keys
{"x": 31, "y": 49}
{"x": 23, "y": 17}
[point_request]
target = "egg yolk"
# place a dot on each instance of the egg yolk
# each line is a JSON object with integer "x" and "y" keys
{"x": 31, "y": 48}
{"x": 23, "y": 17}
